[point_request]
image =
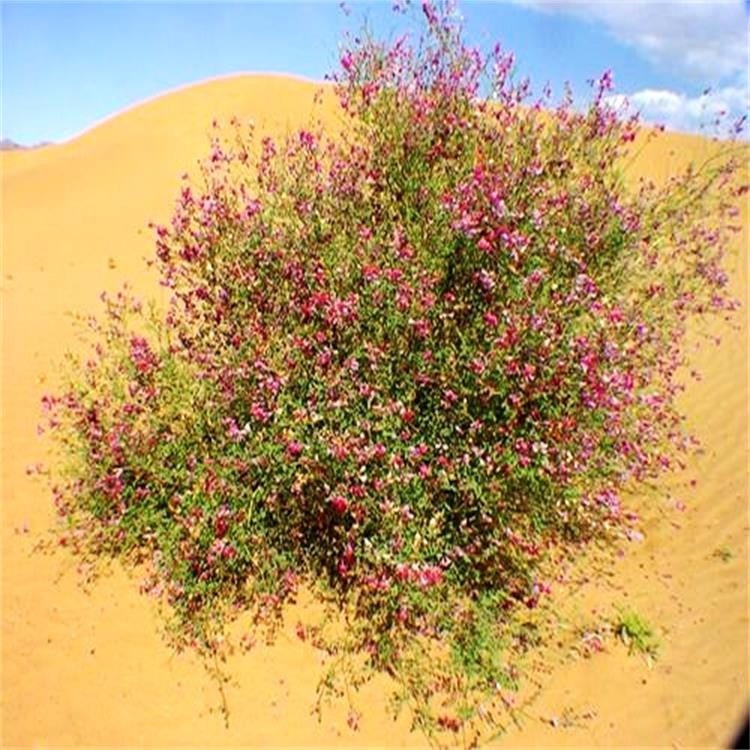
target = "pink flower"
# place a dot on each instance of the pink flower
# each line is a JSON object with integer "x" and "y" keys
{"x": 370, "y": 273}
{"x": 347, "y": 560}
{"x": 378, "y": 451}
{"x": 224, "y": 549}
{"x": 113, "y": 485}
{"x": 485, "y": 280}
{"x": 421, "y": 328}
{"x": 606, "y": 81}
{"x": 418, "y": 451}
{"x": 234, "y": 433}
{"x": 484, "y": 245}
{"x": 294, "y": 449}
{"x": 141, "y": 355}
{"x": 339, "y": 503}
{"x": 259, "y": 412}
{"x": 306, "y": 138}
{"x": 535, "y": 277}
{"x": 429, "y": 12}
{"x": 449, "y": 397}
{"x": 221, "y": 524}
{"x": 429, "y": 576}
{"x": 402, "y": 572}
{"x": 347, "y": 62}
{"x": 477, "y": 366}
{"x": 615, "y": 315}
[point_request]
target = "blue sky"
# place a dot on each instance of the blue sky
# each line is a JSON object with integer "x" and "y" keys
{"x": 66, "y": 65}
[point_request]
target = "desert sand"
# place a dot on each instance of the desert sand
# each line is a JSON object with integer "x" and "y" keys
{"x": 91, "y": 669}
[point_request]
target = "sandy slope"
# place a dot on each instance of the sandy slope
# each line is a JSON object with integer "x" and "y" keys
{"x": 91, "y": 669}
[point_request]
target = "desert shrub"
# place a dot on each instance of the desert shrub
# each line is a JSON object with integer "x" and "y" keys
{"x": 399, "y": 366}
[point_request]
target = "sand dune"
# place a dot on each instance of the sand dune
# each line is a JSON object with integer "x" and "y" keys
{"x": 91, "y": 669}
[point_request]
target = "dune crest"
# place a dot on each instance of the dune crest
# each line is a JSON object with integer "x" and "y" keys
{"x": 91, "y": 669}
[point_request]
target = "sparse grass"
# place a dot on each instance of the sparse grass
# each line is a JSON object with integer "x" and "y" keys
{"x": 637, "y": 634}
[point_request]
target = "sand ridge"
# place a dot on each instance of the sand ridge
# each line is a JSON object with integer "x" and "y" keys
{"x": 91, "y": 669}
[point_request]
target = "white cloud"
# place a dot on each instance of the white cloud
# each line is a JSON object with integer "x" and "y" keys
{"x": 707, "y": 41}
{"x": 678, "y": 111}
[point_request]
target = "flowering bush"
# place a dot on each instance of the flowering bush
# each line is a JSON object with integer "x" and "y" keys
{"x": 399, "y": 365}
